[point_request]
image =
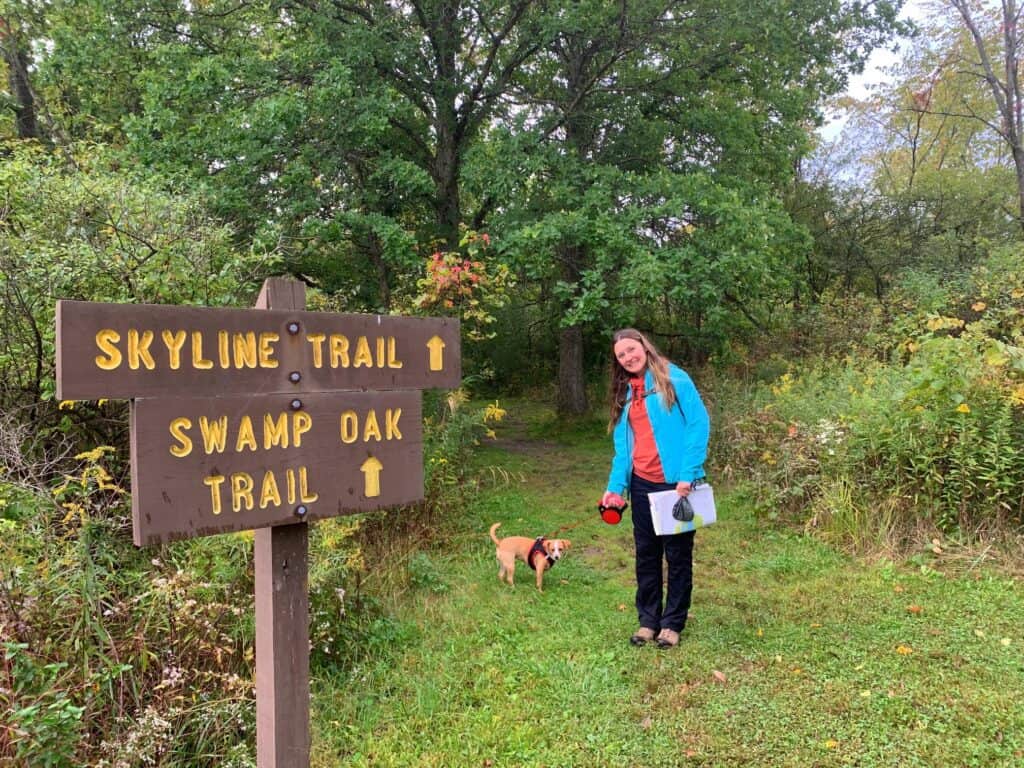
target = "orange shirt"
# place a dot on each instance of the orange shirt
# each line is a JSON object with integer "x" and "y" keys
{"x": 646, "y": 462}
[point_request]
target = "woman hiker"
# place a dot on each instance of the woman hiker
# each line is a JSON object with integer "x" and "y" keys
{"x": 660, "y": 432}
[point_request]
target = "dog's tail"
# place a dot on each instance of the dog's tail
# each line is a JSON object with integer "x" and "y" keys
{"x": 493, "y": 537}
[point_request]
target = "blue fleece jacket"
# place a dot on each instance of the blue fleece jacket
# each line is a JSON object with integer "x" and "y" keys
{"x": 680, "y": 434}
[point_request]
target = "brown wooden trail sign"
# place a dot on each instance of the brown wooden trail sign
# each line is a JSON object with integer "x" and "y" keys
{"x": 140, "y": 350}
{"x": 210, "y": 465}
{"x": 262, "y": 419}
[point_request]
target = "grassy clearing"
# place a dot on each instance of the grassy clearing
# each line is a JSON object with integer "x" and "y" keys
{"x": 794, "y": 656}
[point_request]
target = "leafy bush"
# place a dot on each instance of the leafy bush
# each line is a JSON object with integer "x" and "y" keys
{"x": 44, "y": 724}
{"x": 935, "y": 435}
{"x": 118, "y": 656}
{"x": 93, "y": 232}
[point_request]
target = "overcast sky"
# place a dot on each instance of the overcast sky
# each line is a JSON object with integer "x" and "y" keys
{"x": 873, "y": 74}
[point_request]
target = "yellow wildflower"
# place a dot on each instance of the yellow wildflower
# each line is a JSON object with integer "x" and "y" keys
{"x": 494, "y": 412}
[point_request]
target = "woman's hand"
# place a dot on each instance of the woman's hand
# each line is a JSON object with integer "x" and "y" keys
{"x": 683, "y": 488}
{"x": 611, "y": 499}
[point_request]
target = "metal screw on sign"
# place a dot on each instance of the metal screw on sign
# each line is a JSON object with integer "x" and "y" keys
{"x": 294, "y": 377}
{"x": 301, "y": 510}
{"x": 293, "y": 328}
{"x": 295, "y": 404}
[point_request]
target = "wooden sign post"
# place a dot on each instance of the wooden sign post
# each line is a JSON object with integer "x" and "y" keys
{"x": 262, "y": 419}
{"x": 280, "y": 558}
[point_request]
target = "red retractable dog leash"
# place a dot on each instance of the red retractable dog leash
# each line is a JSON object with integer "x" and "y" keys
{"x": 611, "y": 513}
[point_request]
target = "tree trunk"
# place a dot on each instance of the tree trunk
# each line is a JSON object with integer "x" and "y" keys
{"x": 1007, "y": 93}
{"x": 1018, "y": 164}
{"x": 376, "y": 251}
{"x": 572, "y": 389}
{"x": 25, "y": 121}
{"x": 446, "y": 186}
{"x": 446, "y": 38}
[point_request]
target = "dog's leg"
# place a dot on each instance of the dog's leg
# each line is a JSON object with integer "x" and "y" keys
{"x": 506, "y": 568}
{"x": 541, "y": 562}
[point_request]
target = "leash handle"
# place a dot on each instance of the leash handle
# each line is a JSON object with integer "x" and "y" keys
{"x": 612, "y": 514}
{"x": 602, "y": 509}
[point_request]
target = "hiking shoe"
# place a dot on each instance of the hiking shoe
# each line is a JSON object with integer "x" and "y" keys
{"x": 642, "y": 635}
{"x": 668, "y": 638}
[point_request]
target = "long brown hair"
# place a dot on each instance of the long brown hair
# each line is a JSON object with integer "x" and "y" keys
{"x": 619, "y": 378}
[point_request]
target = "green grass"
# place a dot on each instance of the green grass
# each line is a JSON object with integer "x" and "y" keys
{"x": 795, "y": 655}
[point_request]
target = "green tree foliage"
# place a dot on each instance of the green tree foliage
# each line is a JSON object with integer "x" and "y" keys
{"x": 338, "y": 130}
{"x": 18, "y": 101}
{"x": 358, "y": 135}
{"x": 995, "y": 61}
{"x": 96, "y": 233}
{"x": 920, "y": 183}
{"x": 647, "y": 157}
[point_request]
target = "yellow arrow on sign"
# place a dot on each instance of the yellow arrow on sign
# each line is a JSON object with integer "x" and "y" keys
{"x": 371, "y": 469}
{"x": 436, "y": 347}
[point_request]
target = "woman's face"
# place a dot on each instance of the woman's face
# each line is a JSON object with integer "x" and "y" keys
{"x": 631, "y": 355}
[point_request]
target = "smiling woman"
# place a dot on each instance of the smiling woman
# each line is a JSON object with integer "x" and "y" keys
{"x": 660, "y": 429}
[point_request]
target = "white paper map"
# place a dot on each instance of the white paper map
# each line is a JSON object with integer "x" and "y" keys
{"x": 702, "y": 499}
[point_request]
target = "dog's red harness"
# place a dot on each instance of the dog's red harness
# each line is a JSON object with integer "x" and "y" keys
{"x": 538, "y": 547}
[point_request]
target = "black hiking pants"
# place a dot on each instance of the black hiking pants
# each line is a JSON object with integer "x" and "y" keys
{"x": 662, "y": 597}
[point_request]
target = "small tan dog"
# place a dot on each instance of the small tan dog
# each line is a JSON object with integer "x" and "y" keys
{"x": 540, "y": 554}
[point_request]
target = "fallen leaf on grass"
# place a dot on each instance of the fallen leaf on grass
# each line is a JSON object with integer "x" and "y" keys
{"x": 646, "y": 723}
{"x": 904, "y": 650}
{"x": 979, "y": 633}
{"x": 914, "y": 609}
{"x": 831, "y": 744}
{"x": 760, "y": 632}
{"x": 718, "y": 676}
{"x": 622, "y": 606}
{"x": 1006, "y": 642}
{"x": 898, "y": 588}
